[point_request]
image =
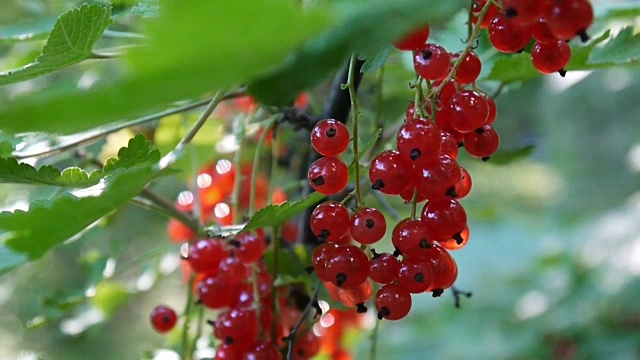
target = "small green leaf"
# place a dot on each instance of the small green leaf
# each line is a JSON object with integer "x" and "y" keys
{"x": 137, "y": 153}
{"x": 623, "y": 48}
{"x": 70, "y": 42}
{"x": 504, "y": 157}
{"x": 376, "y": 60}
{"x": 290, "y": 267}
{"x": 49, "y": 223}
{"x": 275, "y": 215}
{"x": 361, "y": 29}
{"x": 512, "y": 68}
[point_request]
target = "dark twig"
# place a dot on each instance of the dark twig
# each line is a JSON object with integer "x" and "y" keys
{"x": 457, "y": 293}
{"x": 313, "y": 304}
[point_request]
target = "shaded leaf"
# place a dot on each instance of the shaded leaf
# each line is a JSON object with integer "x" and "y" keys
{"x": 514, "y": 67}
{"x": 621, "y": 49}
{"x": 375, "y": 61}
{"x": 360, "y": 29}
{"x": 275, "y": 215}
{"x": 70, "y": 42}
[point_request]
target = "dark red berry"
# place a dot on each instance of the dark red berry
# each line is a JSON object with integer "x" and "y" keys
{"x": 306, "y": 346}
{"x": 347, "y": 267}
{"x": 205, "y": 255}
{"x": 431, "y": 62}
{"x": 569, "y": 18}
{"x": 330, "y": 137}
{"x": 393, "y": 302}
{"x": 368, "y": 226}
{"x": 418, "y": 138}
{"x": 445, "y": 218}
{"x": 391, "y": 173}
{"x": 263, "y": 350}
{"x": 237, "y": 327}
{"x": 524, "y": 12}
{"x": 214, "y": 292}
{"x": 483, "y": 142}
{"x": 163, "y": 318}
{"x": 414, "y": 40}
{"x": 330, "y": 221}
{"x": 507, "y": 36}
{"x": 491, "y": 13}
{"x": 384, "y": 268}
{"x": 328, "y": 175}
{"x": 549, "y": 57}
{"x": 469, "y": 68}
{"x": 232, "y": 270}
{"x": 250, "y": 247}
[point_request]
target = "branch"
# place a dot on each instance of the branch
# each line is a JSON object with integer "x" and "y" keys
{"x": 292, "y": 335}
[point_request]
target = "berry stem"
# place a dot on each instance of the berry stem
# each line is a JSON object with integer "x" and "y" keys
{"x": 470, "y": 20}
{"x": 355, "y": 110}
{"x": 165, "y": 207}
{"x": 256, "y": 296}
{"x": 374, "y": 341}
{"x": 468, "y": 46}
{"x": 419, "y": 105}
{"x": 184, "y": 340}
{"x": 256, "y": 159}
{"x": 432, "y": 104}
{"x": 292, "y": 335}
{"x": 237, "y": 159}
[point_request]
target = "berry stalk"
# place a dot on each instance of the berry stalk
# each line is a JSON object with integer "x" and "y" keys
{"x": 354, "y": 131}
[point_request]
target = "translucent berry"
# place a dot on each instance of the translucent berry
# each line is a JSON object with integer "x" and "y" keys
{"x": 445, "y": 218}
{"x": 415, "y": 40}
{"x": 493, "y": 110}
{"x": 329, "y": 221}
{"x": 411, "y": 236}
{"x": 214, "y": 292}
{"x": 368, "y": 226}
{"x": 447, "y": 91}
{"x": 250, "y": 247}
{"x": 507, "y": 36}
{"x": 524, "y": 12}
{"x": 549, "y": 57}
{"x": 263, "y": 350}
{"x": 415, "y": 275}
{"x": 541, "y": 32}
{"x": 443, "y": 120}
{"x": 348, "y": 267}
{"x": 330, "y": 137}
{"x": 470, "y": 111}
{"x": 391, "y": 173}
{"x": 306, "y": 346}
{"x": 163, "y": 318}
{"x": 445, "y": 269}
{"x": 356, "y": 297}
{"x": 569, "y": 18}
{"x": 418, "y": 138}
{"x": 393, "y": 302}
{"x": 491, "y": 13}
{"x": 438, "y": 177}
{"x": 319, "y": 257}
{"x": 463, "y": 188}
{"x": 328, "y": 175}
{"x": 455, "y": 244}
{"x": 237, "y": 327}
{"x": 449, "y": 145}
{"x": 383, "y": 268}
{"x": 228, "y": 352}
{"x": 432, "y": 62}
{"x": 205, "y": 255}
{"x": 469, "y": 68}
{"x": 232, "y": 270}
{"x": 483, "y": 142}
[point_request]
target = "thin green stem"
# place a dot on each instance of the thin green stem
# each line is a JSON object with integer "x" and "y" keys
{"x": 374, "y": 341}
{"x": 208, "y": 110}
{"x": 187, "y": 352}
{"x": 432, "y": 103}
{"x": 237, "y": 159}
{"x": 105, "y": 56}
{"x": 468, "y": 46}
{"x": 275, "y": 146}
{"x": 419, "y": 104}
{"x": 470, "y": 20}
{"x": 94, "y": 136}
{"x": 256, "y": 159}
{"x": 354, "y": 130}
{"x": 199, "y": 327}
{"x": 165, "y": 207}
{"x": 256, "y": 296}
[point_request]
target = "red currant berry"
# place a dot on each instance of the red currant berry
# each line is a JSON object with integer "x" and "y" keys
{"x": 408, "y": 194}
{"x": 541, "y": 32}
{"x": 447, "y": 91}
{"x": 413, "y": 41}
{"x": 356, "y": 297}
{"x": 263, "y": 350}
{"x": 452, "y": 244}
{"x": 330, "y": 221}
{"x": 328, "y": 175}
{"x": 250, "y": 247}
{"x": 443, "y": 120}
{"x": 411, "y": 236}
{"x": 163, "y": 318}
{"x": 348, "y": 267}
{"x": 214, "y": 292}
{"x": 384, "y": 268}
{"x": 445, "y": 269}
{"x": 391, "y": 173}
{"x": 431, "y": 62}
{"x": 393, "y": 302}
{"x": 470, "y": 111}
{"x": 228, "y": 352}
{"x": 237, "y": 327}
{"x": 419, "y": 138}
{"x": 415, "y": 275}
{"x": 205, "y": 255}
{"x": 445, "y": 218}
{"x": 524, "y": 12}
{"x": 319, "y": 257}
{"x": 232, "y": 270}
{"x": 306, "y": 346}
{"x": 569, "y": 18}
{"x": 483, "y": 142}
{"x": 550, "y": 57}
{"x": 179, "y": 232}
{"x": 507, "y": 36}
{"x": 491, "y": 13}
{"x": 493, "y": 110}
{"x": 438, "y": 177}
{"x": 368, "y": 226}
{"x": 330, "y": 137}
{"x": 449, "y": 145}
{"x": 463, "y": 188}
{"x": 469, "y": 68}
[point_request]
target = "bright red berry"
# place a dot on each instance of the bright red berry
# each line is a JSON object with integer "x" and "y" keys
{"x": 449, "y": 145}
{"x": 368, "y": 226}
{"x": 445, "y": 218}
{"x": 356, "y": 297}
{"x": 214, "y": 292}
{"x": 330, "y": 221}
{"x": 491, "y": 13}
{"x": 493, "y": 110}
{"x": 463, "y": 188}
{"x": 415, "y": 275}
{"x": 541, "y": 32}
{"x": 431, "y": 62}
{"x": 330, "y": 137}
{"x": 411, "y": 236}
{"x": 438, "y": 177}
{"x": 237, "y": 327}
{"x": 469, "y": 68}
{"x": 507, "y": 36}
{"x": 524, "y": 12}
{"x": 483, "y": 142}
{"x": 328, "y": 175}
{"x": 445, "y": 269}
{"x": 391, "y": 173}
{"x": 569, "y": 18}
{"x": 393, "y": 302}
{"x": 306, "y": 346}
{"x": 549, "y": 57}
{"x": 205, "y": 255}
{"x": 232, "y": 270}
{"x": 470, "y": 111}
{"x": 263, "y": 350}
{"x": 418, "y": 139}
{"x": 163, "y": 318}
{"x": 383, "y": 268}
{"x": 452, "y": 244}
{"x": 347, "y": 267}
{"x": 319, "y": 257}
{"x": 250, "y": 247}
{"x": 414, "y": 40}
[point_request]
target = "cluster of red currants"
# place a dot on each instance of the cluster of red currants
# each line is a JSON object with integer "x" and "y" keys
{"x": 550, "y": 23}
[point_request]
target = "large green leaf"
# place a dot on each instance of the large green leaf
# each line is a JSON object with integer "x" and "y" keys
{"x": 138, "y": 152}
{"x": 70, "y": 42}
{"x": 514, "y": 67}
{"x": 621, "y": 49}
{"x": 194, "y": 47}
{"x": 49, "y": 223}
{"x": 275, "y": 215}
{"x": 363, "y": 29}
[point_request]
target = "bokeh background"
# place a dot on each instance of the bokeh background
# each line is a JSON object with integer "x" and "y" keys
{"x": 553, "y": 261}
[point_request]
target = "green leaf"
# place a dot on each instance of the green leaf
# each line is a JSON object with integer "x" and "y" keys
{"x": 376, "y": 60}
{"x": 623, "y": 48}
{"x": 70, "y": 42}
{"x": 138, "y": 152}
{"x": 49, "y": 223}
{"x": 504, "y": 157}
{"x": 514, "y": 67}
{"x": 361, "y": 29}
{"x": 275, "y": 215}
